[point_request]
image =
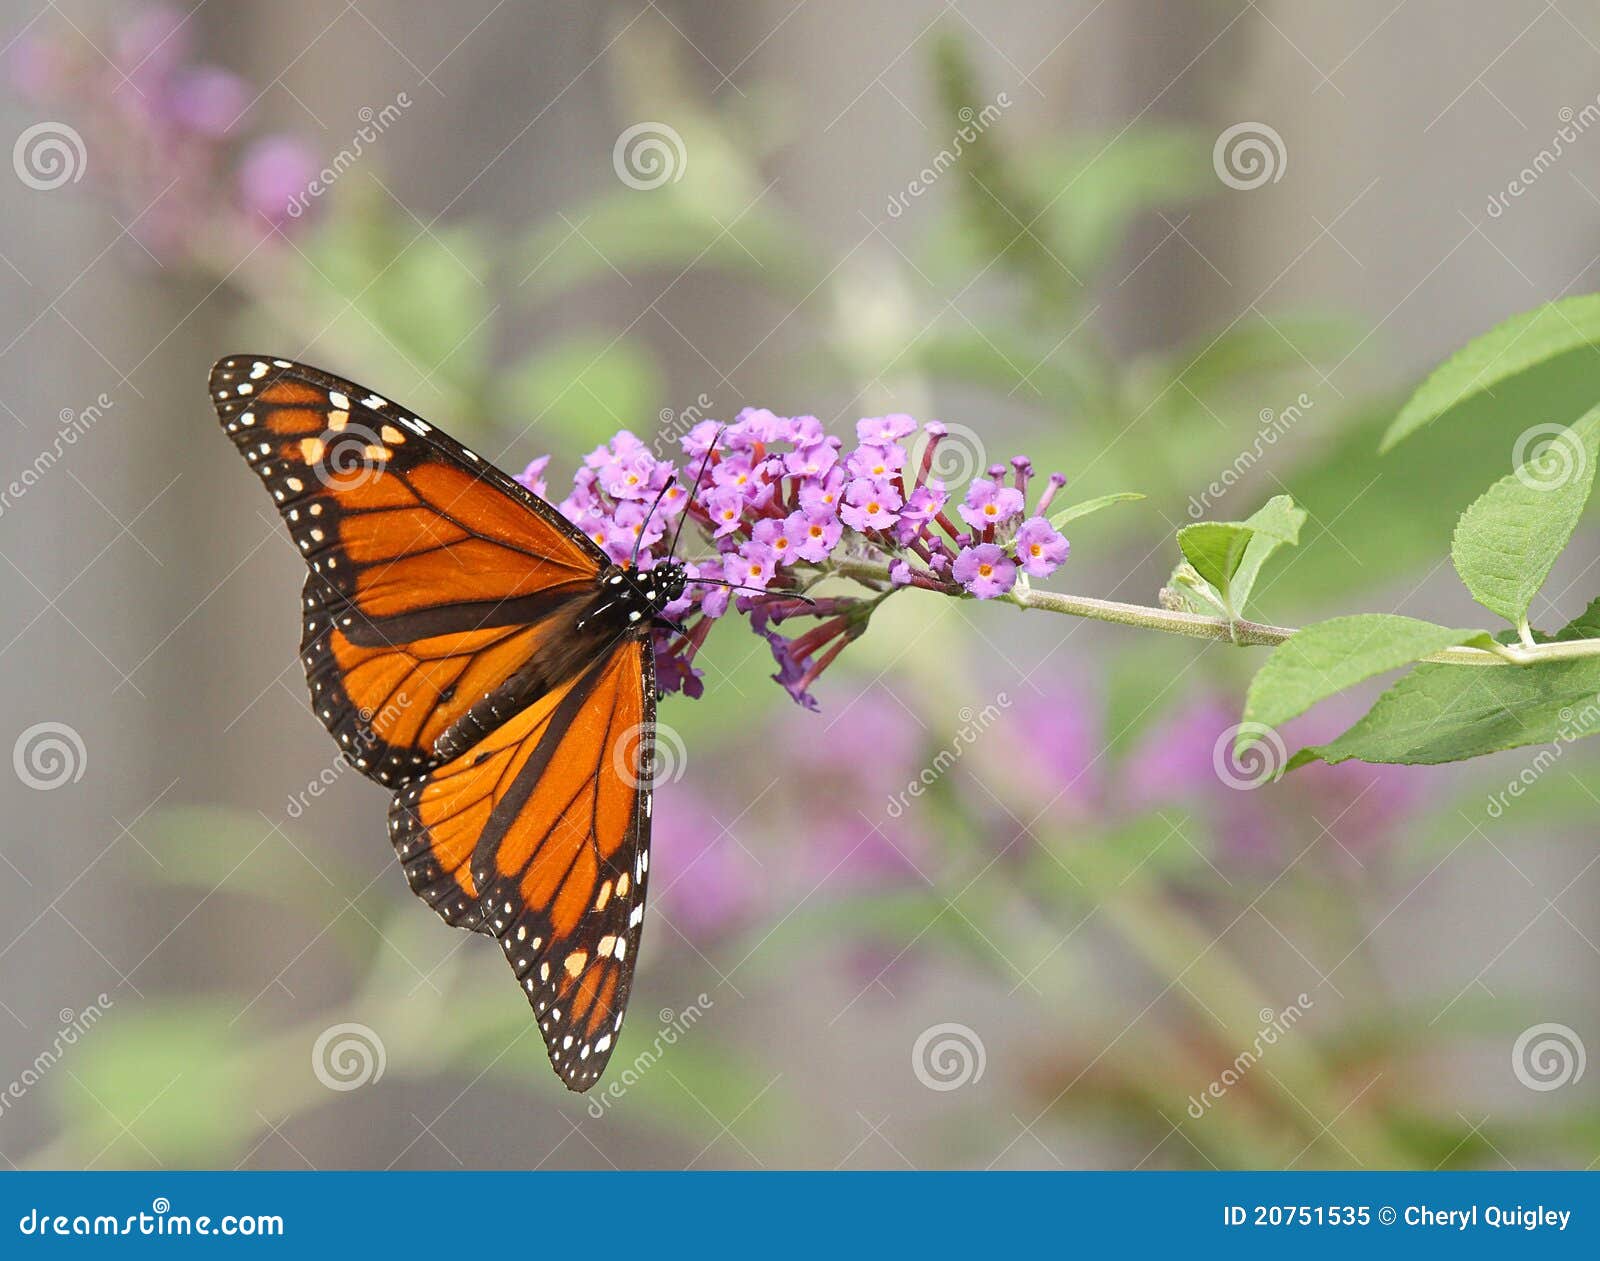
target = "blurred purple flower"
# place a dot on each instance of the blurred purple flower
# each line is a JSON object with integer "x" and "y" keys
{"x": 207, "y": 100}
{"x": 274, "y": 173}
{"x": 704, "y": 882}
{"x": 162, "y": 130}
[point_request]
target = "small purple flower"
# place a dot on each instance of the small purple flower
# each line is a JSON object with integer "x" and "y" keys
{"x": 725, "y": 506}
{"x": 877, "y": 462}
{"x": 812, "y": 460}
{"x": 815, "y": 537}
{"x": 753, "y": 566}
{"x": 698, "y": 440}
{"x": 629, "y": 476}
{"x": 869, "y": 504}
{"x": 1040, "y": 547}
{"x": 900, "y": 573}
{"x": 925, "y": 503}
{"x": 820, "y": 497}
{"x": 985, "y": 571}
{"x": 533, "y": 476}
{"x": 883, "y": 430}
{"x": 990, "y": 504}
{"x": 784, "y": 536}
{"x": 792, "y": 671}
{"x": 756, "y": 424}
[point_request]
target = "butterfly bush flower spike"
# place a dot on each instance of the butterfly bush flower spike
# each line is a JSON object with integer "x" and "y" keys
{"x": 781, "y": 506}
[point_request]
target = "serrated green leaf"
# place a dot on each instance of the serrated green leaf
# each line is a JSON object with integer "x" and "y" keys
{"x": 1328, "y": 657}
{"x": 1059, "y": 519}
{"x": 1506, "y": 542}
{"x": 1447, "y": 713}
{"x": 1563, "y": 336}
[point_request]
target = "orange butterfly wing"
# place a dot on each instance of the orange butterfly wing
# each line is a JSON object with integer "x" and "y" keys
{"x": 441, "y": 649}
{"x": 436, "y": 580}
{"x": 543, "y": 830}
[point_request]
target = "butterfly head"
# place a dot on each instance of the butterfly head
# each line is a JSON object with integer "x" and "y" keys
{"x": 664, "y": 582}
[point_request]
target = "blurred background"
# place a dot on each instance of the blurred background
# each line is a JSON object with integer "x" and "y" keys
{"x": 1155, "y": 246}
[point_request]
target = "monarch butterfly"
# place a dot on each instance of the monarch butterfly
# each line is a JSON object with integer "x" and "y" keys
{"x": 477, "y": 654}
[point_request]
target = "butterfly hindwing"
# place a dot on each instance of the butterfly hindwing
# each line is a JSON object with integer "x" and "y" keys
{"x": 435, "y": 579}
{"x": 539, "y": 835}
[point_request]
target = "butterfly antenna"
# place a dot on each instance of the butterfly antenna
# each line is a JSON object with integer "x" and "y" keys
{"x": 633, "y": 561}
{"x": 693, "y": 491}
{"x": 739, "y": 586}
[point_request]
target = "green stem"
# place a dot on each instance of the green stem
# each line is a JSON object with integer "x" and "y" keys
{"x": 1243, "y": 633}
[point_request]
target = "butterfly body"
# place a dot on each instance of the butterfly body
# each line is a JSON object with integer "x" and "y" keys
{"x": 477, "y": 654}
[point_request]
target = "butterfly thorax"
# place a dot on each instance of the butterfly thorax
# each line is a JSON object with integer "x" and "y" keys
{"x": 628, "y": 599}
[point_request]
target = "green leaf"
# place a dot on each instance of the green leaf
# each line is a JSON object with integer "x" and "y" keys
{"x": 1330, "y": 656}
{"x": 1277, "y": 522}
{"x": 1215, "y": 549}
{"x": 1585, "y": 626}
{"x": 1059, "y": 519}
{"x": 1229, "y": 554}
{"x": 1506, "y": 542}
{"x": 1444, "y": 713}
{"x": 1555, "y": 348}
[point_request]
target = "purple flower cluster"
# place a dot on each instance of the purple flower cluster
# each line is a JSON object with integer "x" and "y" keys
{"x": 781, "y": 504}
{"x": 162, "y": 134}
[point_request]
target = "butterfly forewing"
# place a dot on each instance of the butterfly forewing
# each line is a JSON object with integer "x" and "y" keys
{"x": 444, "y": 643}
{"x": 434, "y": 577}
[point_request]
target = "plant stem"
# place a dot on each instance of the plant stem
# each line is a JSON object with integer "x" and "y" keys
{"x": 1235, "y": 631}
